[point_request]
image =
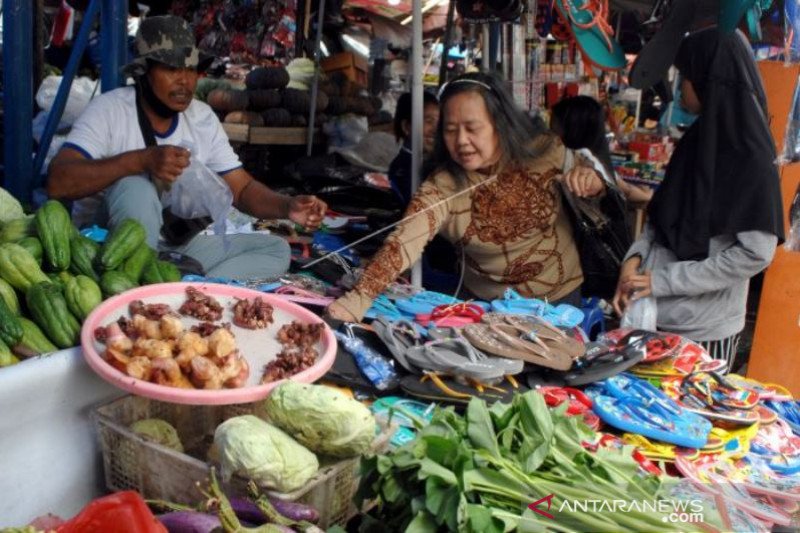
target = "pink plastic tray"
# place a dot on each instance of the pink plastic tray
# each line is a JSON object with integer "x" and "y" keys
{"x": 258, "y": 346}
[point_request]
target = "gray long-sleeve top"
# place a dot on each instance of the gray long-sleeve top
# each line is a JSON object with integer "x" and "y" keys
{"x": 705, "y": 300}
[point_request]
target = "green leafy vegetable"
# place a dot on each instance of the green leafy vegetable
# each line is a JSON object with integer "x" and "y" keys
{"x": 479, "y": 472}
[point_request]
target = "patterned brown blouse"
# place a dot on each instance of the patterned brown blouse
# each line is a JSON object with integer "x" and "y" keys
{"x": 511, "y": 226}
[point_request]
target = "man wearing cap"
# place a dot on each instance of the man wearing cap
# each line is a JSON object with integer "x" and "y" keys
{"x": 107, "y": 151}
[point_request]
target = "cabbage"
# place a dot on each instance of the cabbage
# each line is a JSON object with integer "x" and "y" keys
{"x": 323, "y": 419}
{"x": 10, "y": 208}
{"x": 254, "y": 449}
{"x": 158, "y": 431}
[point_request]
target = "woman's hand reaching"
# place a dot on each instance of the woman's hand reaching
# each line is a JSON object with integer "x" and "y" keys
{"x": 584, "y": 182}
{"x": 632, "y": 285}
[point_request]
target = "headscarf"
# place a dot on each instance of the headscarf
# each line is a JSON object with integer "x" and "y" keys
{"x": 722, "y": 178}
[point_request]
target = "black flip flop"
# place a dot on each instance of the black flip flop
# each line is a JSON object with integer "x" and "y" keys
{"x": 601, "y": 362}
{"x": 425, "y": 388}
{"x": 658, "y": 54}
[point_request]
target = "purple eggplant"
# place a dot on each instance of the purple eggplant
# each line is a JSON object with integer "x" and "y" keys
{"x": 189, "y": 522}
{"x": 298, "y": 512}
{"x": 247, "y": 510}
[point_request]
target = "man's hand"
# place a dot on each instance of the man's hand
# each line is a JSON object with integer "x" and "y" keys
{"x": 165, "y": 162}
{"x": 584, "y": 182}
{"x": 622, "y": 297}
{"x": 308, "y": 211}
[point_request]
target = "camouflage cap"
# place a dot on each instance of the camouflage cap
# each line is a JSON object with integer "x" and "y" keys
{"x": 169, "y": 40}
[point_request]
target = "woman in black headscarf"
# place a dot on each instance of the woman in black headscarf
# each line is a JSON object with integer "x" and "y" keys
{"x": 717, "y": 218}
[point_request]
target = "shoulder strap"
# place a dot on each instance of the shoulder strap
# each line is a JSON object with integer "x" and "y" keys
{"x": 144, "y": 123}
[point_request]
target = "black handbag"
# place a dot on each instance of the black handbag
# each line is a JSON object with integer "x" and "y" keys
{"x": 602, "y": 236}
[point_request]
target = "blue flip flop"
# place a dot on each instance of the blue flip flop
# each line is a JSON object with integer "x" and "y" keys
{"x": 562, "y": 315}
{"x": 383, "y": 306}
{"x": 423, "y": 302}
{"x": 788, "y": 411}
{"x": 632, "y": 404}
{"x": 513, "y": 303}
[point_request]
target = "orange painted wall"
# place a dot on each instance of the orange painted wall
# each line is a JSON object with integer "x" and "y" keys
{"x": 775, "y": 356}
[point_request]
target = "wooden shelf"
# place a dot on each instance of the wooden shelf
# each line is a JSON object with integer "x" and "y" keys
{"x": 275, "y": 136}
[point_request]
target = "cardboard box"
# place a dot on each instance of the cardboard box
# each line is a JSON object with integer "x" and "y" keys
{"x": 354, "y": 66}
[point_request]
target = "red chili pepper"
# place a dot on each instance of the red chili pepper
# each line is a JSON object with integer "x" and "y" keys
{"x": 121, "y": 512}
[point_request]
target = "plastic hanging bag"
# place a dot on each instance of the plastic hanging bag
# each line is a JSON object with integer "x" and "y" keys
{"x": 641, "y": 314}
{"x": 199, "y": 192}
{"x": 792, "y": 243}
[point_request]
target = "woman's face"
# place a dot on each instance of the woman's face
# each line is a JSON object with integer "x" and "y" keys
{"x": 469, "y": 132}
{"x": 689, "y": 99}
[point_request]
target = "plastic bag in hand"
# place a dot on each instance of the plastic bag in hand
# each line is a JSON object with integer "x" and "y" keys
{"x": 199, "y": 192}
{"x": 641, "y": 314}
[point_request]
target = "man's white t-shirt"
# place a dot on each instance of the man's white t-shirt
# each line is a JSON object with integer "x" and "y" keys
{"x": 110, "y": 126}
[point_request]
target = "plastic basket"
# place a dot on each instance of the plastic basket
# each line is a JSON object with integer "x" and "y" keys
{"x": 157, "y": 472}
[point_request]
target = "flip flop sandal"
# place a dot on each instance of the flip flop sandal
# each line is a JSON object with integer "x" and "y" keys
{"x": 787, "y": 411}
{"x": 383, "y": 306}
{"x": 402, "y": 411}
{"x": 697, "y": 472}
{"x": 456, "y": 315}
{"x": 431, "y": 387}
{"x": 627, "y": 387}
{"x": 764, "y": 480}
{"x": 399, "y": 336}
{"x": 601, "y": 362}
{"x": 514, "y": 303}
{"x": 503, "y": 341}
{"x": 593, "y": 34}
{"x": 653, "y": 421}
{"x": 735, "y": 417}
{"x": 511, "y": 367}
{"x": 457, "y": 358}
{"x": 658, "y": 54}
{"x": 658, "y": 451}
{"x": 736, "y": 494}
{"x": 564, "y": 316}
{"x": 776, "y": 439}
{"x": 674, "y": 388}
{"x": 302, "y": 296}
{"x": 612, "y": 442}
{"x": 424, "y": 302}
{"x": 659, "y": 346}
{"x": 766, "y": 416}
{"x": 716, "y": 390}
{"x": 765, "y": 391}
{"x": 537, "y": 329}
{"x": 578, "y": 403}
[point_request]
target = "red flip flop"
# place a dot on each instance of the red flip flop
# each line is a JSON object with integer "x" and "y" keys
{"x": 451, "y": 316}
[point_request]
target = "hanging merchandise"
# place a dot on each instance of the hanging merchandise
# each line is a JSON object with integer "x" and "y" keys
{"x": 63, "y": 25}
{"x": 791, "y": 31}
{"x": 589, "y": 25}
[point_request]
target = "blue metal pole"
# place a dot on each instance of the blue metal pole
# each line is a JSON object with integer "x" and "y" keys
{"x": 113, "y": 43}
{"x": 78, "y": 46}
{"x": 18, "y": 96}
